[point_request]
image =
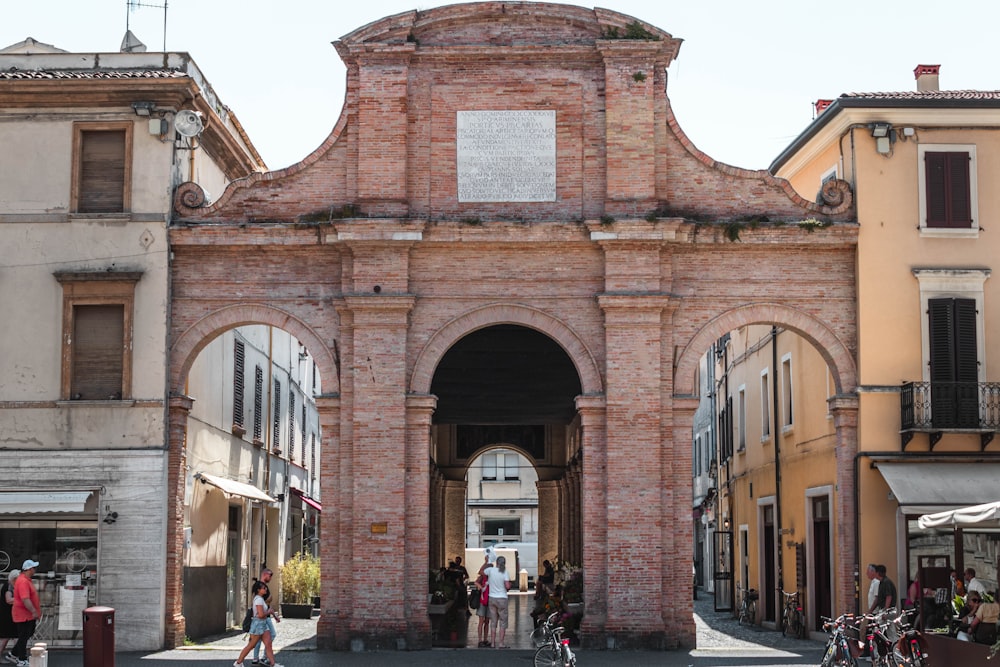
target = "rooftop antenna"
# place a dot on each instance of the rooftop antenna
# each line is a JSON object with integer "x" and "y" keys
{"x": 132, "y": 5}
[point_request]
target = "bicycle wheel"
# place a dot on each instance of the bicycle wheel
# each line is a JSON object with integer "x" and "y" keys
{"x": 548, "y": 655}
{"x": 752, "y": 612}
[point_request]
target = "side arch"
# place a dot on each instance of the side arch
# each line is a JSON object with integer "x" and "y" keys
{"x": 480, "y": 318}
{"x": 831, "y": 348}
{"x": 193, "y": 340}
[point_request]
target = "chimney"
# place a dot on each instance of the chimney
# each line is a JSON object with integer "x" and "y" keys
{"x": 821, "y": 106}
{"x": 927, "y": 77}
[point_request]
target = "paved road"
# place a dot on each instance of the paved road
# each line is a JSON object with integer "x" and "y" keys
{"x": 721, "y": 643}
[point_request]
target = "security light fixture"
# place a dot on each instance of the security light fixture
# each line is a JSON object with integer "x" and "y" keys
{"x": 880, "y": 130}
{"x": 143, "y": 108}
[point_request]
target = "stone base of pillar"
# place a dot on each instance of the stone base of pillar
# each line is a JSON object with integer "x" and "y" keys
{"x": 626, "y": 640}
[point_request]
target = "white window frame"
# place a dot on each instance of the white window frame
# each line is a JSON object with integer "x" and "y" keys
{"x": 741, "y": 415}
{"x": 939, "y": 232}
{"x": 787, "y": 394}
{"x": 765, "y": 407}
{"x": 956, "y": 284}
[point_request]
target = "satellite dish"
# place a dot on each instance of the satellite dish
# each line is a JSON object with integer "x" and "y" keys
{"x": 188, "y": 123}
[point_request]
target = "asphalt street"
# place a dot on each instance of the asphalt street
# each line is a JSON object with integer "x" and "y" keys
{"x": 722, "y": 642}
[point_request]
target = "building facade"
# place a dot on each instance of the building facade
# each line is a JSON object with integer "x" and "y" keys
{"x": 508, "y": 240}
{"x": 88, "y": 164}
{"x": 921, "y": 163}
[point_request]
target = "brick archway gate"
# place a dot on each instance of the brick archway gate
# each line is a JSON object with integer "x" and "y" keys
{"x": 383, "y": 238}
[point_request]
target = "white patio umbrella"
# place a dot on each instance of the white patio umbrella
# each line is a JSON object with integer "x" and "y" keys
{"x": 986, "y": 515}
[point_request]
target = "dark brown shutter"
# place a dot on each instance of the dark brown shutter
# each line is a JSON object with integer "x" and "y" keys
{"x": 954, "y": 364}
{"x": 239, "y": 360}
{"x": 102, "y": 172}
{"x": 258, "y": 404}
{"x": 276, "y": 417}
{"x": 98, "y": 343}
{"x": 947, "y": 184}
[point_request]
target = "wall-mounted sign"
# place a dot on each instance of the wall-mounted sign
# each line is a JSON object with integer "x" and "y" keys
{"x": 506, "y": 156}
{"x": 380, "y": 528}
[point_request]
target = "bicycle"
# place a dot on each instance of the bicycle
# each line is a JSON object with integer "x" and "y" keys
{"x": 879, "y": 645}
{"x": 911, "y": 647}
{"x": 748, "y": 607}
{"x": 841, "y": 650}
{"x": 553, "y": 650}
{"x": 792, "y": 617}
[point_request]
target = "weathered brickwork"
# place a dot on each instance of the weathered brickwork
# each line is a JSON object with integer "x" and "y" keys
{"x": 364, "y": 252}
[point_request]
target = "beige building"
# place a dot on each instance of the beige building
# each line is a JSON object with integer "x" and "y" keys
{"x": 90, "y": 156}
{"x": 922, "y": 164}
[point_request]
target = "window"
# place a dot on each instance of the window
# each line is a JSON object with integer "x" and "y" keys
{"x": 302, "y": 458}
{"x": 697, "y": 455}
{"x": 786, "y": 390}
{"x": 239, "y": 361}
{"x": 291, "y": 422}
{"x": 742, "y": 406}
{"x": 102, "y": 168}
{"x": 500, "y": 466}
{"x": 953, "y": 351}
{"x": 948, "y": 192}
{"x": 506, "y": 528}
{"x": 276, "y": 418}
{"x": 97, "y": 335}
{"x": 258, "y": 405}
{"x": 765, "y": 406}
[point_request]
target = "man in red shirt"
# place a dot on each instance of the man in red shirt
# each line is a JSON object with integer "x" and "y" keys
{"x": 26, "y": 610}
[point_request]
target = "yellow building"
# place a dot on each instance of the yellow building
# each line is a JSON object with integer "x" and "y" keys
{"x": 921, "y": 164}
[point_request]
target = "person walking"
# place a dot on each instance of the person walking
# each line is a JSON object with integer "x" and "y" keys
{"x": 258, "y": 627}
{"x": 265, "y": 578}
{"x": 499, "y": 583}
{"x": 8, "y": 630}
{"x": 25, "y": 610}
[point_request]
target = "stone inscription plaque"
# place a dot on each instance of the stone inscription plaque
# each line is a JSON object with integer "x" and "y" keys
{"x": 506, "y": 156}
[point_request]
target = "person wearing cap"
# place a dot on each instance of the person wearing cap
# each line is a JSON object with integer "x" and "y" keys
{"x": 26, "y": 610}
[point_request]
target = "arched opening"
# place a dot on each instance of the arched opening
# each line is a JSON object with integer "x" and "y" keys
{"x": 505, "y": 413}
{"x": 248, "y": 463}
{"x": 771, "y": 453}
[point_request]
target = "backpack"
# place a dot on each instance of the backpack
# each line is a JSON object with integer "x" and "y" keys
{"x": 247, "y": 619}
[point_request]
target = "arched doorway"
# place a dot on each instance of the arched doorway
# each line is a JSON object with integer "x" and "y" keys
{"x": 505, "y": 394}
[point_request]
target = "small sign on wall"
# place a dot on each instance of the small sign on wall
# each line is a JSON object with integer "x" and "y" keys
{"x": 380, "y": 528}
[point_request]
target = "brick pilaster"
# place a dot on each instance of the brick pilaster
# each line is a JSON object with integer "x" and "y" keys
{"x": 845, "y": 419}
{"x": 335, "y": 544}
{"x": 179, "y": 407}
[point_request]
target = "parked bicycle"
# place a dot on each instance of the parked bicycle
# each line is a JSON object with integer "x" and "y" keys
{"x": 842, "y": 648}
{"x": 748, "y": 607}
{"x": 792, "y": 618}
{"x": 911, "y": 647}
{"x": 553, "y": 649}
{"x": 877, "y": 639}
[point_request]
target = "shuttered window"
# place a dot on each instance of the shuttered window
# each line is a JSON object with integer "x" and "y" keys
{"x": 947, "y": 188}
{"x": 276, "y": 418}
{"x": 102, "y": 167}
{"x": 98, "y": 344}
{"x": 102, "y": 172}
{"x": 258, "y": 405}
{"x": 97, "y": 334}
{"x": 239, "y": 386}
{"x": 291, "y": 423}
{"x": 954, "y": 364}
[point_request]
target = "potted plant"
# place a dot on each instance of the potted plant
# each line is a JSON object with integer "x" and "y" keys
{"x": 299, "y": 585}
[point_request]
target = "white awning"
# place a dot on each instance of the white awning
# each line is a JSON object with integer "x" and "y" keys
{"x": 986, "y": 515}
{"x": 43, "y": 502}
{"x": 235, "y": 488}
{"x": 947, "y": 485}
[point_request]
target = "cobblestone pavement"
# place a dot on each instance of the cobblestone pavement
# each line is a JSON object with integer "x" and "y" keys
{"x": 722, "y": 642}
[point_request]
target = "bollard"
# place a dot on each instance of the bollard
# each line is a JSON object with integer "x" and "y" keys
{"x": 39, "y": 656}
{"x": 99, "y": 637}
{"x": 522, "y": 580}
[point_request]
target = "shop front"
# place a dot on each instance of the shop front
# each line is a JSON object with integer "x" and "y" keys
{"x": 59, "y": 529}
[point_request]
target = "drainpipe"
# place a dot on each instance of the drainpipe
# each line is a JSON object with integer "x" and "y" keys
{"x": 777, "y": 467}
{"x": 268, "y": 443}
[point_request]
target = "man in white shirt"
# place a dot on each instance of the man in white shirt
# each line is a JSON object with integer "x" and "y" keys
{"x": 973, "y": 584}
{"x": 872, "y": 587}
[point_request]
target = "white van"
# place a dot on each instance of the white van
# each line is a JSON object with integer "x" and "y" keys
{"x": 519, "y": 555}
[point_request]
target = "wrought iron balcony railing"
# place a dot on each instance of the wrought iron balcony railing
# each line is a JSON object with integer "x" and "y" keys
{"x": 937, "y": 407}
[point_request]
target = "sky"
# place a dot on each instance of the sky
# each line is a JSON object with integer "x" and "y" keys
{"x": 742, "y": 87}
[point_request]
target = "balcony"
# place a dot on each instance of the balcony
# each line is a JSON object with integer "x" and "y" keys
{"x": 953, "y": 407}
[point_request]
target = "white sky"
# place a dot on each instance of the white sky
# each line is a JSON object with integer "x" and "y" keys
{"x": 742, "y": 87}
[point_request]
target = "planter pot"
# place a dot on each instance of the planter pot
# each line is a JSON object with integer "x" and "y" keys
{"x": 574, "y": 607}
{"x": 296, "y": 610}
{"x": 316, "y": 602}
